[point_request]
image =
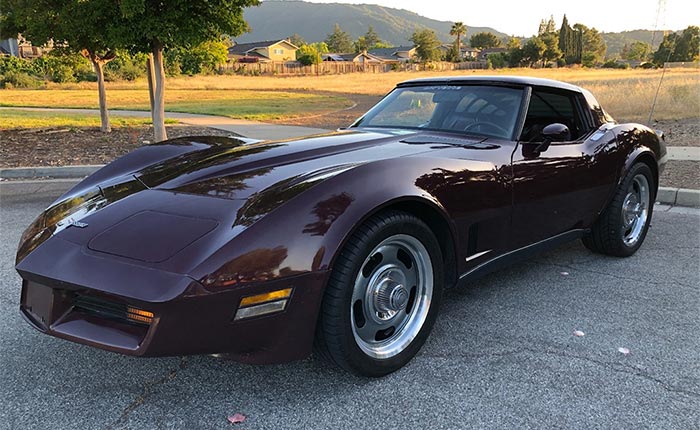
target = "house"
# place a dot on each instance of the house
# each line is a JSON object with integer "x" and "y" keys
{"x": 400, "y": 54}
{"x": 22, "y": 48}
{"x": 484, "y": 54}
{"x": 362, "y": 57}
{"x": 9, "y": 47}
{"x": 263, "y": 52}
{"x": 470, "y": 53}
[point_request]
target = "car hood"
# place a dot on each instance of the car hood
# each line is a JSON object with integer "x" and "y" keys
{"x": 205, "y": 187}
{"x": 242, "y": 170}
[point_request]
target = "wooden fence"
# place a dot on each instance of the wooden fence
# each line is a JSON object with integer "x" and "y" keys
{"x": 342, "y": 67}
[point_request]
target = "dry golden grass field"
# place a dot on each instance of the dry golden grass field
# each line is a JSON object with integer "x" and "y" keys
{"x": 626, "y": 94}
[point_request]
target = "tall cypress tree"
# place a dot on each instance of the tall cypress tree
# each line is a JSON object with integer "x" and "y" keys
{"x": 564, "y": 37}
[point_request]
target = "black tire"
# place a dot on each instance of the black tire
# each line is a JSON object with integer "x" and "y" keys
{"x": 608, "y": 233}
{"x": 338, "y": 321}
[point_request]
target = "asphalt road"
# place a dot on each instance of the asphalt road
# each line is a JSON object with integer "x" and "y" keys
{"x": 502, "y": 355}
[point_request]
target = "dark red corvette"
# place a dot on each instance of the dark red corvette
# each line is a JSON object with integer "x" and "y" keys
{"x": 345, "y": 240}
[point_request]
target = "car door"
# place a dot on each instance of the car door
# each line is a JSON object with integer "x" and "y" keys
{"x": 564, "y": 187}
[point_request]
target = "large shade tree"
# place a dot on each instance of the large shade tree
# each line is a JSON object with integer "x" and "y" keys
{"x": 593, "y": 46}
{"x": 151, "y": 26}
{"x": 427, "y": 45}
{"x": 85, "y": 27}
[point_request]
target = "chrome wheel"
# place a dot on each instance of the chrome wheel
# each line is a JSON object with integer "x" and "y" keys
{"x": 635, "y": 210}
{"x": 391, "y": 296}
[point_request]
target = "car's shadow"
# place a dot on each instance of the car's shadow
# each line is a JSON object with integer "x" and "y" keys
{"x": 489, "y": 317}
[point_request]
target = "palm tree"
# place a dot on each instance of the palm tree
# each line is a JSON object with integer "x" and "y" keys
{"x": 457, "y": 30}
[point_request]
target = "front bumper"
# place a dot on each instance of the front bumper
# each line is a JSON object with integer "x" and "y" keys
{"x": 186, "y": 317}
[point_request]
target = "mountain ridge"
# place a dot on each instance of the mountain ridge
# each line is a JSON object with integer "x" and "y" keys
{"x": 315, "y": 21}
{"x": 279, "y": 19}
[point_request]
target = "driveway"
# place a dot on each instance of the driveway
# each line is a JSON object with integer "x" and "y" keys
{"x": 503, "y": 354}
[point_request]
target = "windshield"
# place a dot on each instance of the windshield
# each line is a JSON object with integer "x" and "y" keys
{"x": 485, "y": 110}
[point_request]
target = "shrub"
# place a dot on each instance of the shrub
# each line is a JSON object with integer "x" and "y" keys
{"x": 126, "y": 67}
{"x": 497, "y": 61}
{"x": 14, "y": 65}
{"x": 613, "y": 64}
{"x": 19, "y": 80}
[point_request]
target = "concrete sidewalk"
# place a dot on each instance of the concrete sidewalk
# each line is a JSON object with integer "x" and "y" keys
{"x": 251, "y": 129}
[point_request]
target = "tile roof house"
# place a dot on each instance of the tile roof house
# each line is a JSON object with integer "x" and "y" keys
{"x": 402, "y": 54}
{"x": 263, "y": 52}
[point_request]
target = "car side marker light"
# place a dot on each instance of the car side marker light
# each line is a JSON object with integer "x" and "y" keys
{"x": 262, "y": 304}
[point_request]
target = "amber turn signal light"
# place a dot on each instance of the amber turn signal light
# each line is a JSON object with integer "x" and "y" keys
{"x": 265, "y": 297}
{"x": 139, "y": 315}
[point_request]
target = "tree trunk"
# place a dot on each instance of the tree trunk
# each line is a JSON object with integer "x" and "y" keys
{"x": 150, "y": 71}
{"x": 158, "y": 112}
{"x": 98, "y": 64}
{"x": 459, "y": 47}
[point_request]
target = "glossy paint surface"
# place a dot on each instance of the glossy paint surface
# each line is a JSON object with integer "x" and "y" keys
{"x": 187, "y": 228}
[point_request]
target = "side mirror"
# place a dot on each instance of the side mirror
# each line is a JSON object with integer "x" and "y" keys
{"x": 553, "y": 133}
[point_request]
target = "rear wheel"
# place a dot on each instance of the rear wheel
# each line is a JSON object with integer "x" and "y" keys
{"x": 621, "y": 229}
{"x": 383, "y": 295}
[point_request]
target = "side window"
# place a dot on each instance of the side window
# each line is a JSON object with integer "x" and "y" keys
{"x": 547, "y": 108}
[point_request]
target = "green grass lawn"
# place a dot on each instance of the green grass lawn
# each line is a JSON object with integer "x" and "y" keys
{"x": 14, "y": 118}
{"x": 244, "y": 104}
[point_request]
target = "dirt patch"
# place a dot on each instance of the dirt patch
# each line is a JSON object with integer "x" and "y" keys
{"x": 681, "y": 174}
{"x": 338, "y": 119}
{"x": 680, "y": 132}
{"x": 88, "y": 145}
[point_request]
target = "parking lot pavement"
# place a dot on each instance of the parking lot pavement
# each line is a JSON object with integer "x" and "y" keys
{"x": 502, "y": 355}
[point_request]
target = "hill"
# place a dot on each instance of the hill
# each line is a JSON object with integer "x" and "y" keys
{"x": 616, "y": 41}
{"x": 314, "y": 21}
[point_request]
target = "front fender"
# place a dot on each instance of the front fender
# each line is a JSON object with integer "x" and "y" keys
{"x": 640, "y": 143}
{"x": 307, "y": 226}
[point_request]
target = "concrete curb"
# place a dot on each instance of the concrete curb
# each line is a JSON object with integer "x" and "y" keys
{"x": 63, "y": 172}
{"x": 667, "y": 196}
{"x": 679, "y": 197}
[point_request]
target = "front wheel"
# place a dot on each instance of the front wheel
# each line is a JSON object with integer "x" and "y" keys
{"x": 622, "y": 227}
{"x": 383, "y": 295}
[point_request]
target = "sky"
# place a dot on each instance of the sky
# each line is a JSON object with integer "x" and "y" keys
{"x": 522, "y": 17}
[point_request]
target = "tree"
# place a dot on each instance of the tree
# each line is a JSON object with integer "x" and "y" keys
{"x": 296, "y": 40}
{"x": 457, "y": 30}
{"x": 687, "y": 43}
{"x": 570, "y": 43}
{"x": 452, "y": 55}
{"x": 551, "y": 52}
{"x": 311, "y": 53}
{"x": 548, "y": 26}
{"x": 592, "y": 45}
{"x": 513, "y": 43}
{"x": 637, "y": 51}
{"x": 533, "y": 50}
{"x": 77, "y": 26}
{"x": 339, "y": 41}
{"x": 665, "y": 50}
{"x": 150, "y": 26}
{"x": 370, "y": 40}
{"x": 484, "y": 40}
{"x": 203, "y": 58}
{"x": 514, "y": 55}
{"x": 427, "y": 45}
